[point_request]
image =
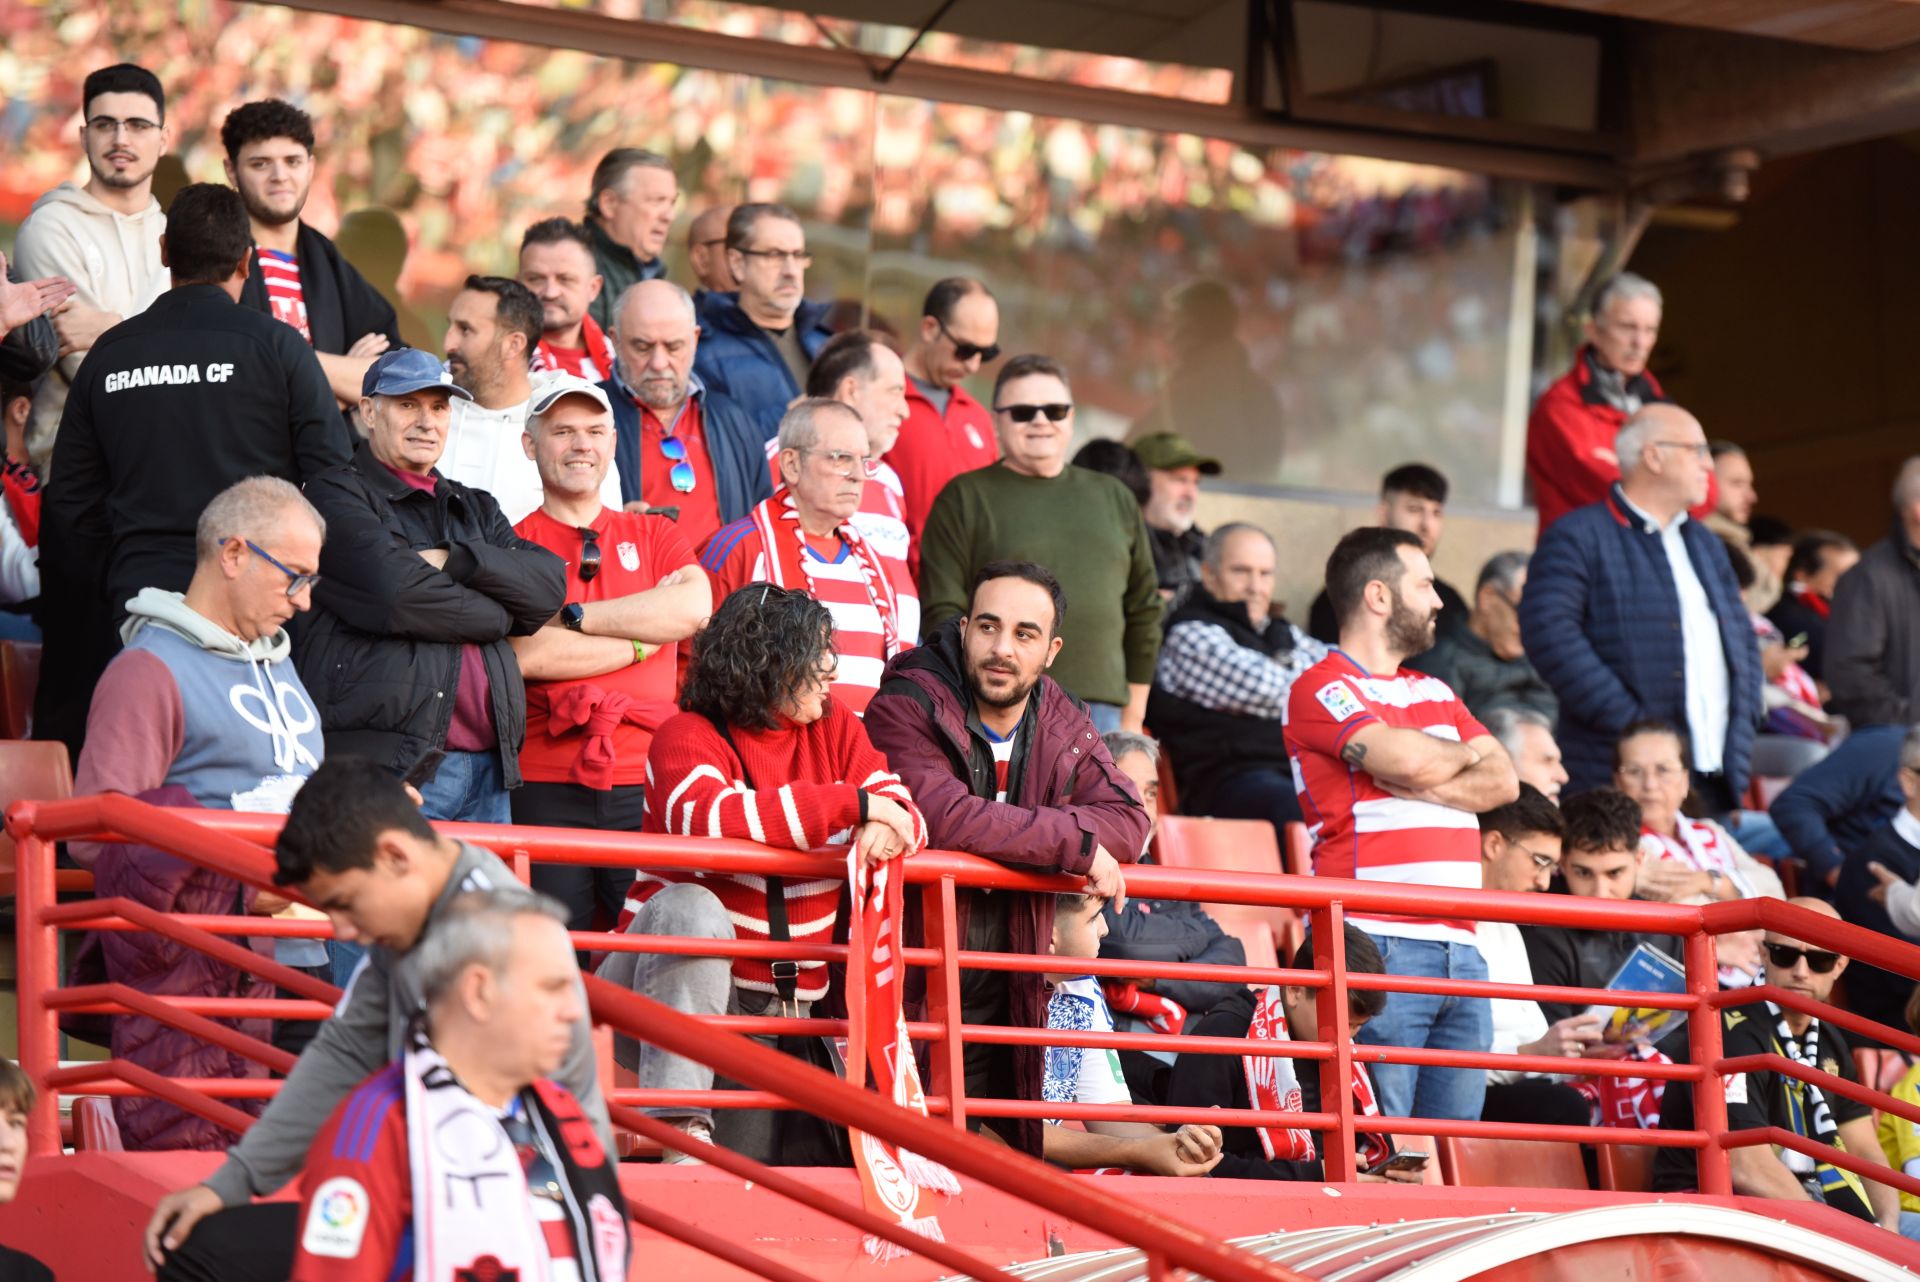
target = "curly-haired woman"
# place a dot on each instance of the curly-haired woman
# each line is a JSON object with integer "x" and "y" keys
{"x": 760, "y": 751}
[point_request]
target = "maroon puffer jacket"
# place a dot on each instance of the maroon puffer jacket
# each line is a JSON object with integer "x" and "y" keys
{"x": 1072, "y": 800}
{"x": 152, "y": 964}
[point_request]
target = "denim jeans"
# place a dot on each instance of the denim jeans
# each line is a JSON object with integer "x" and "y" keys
{"x": 1258, "y": 794}
{"x": 1910, "y": 1225}
{"x": 468, "y": 788}
{"x": 1105, "y": 716}
{"x": 1443, "y": 1023}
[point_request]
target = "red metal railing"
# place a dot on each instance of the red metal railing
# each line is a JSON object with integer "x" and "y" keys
{"x": 234, "y": 844}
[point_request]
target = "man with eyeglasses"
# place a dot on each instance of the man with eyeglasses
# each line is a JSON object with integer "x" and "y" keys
{"x": 1485, "y": 662}
{"x": 471, "y": 1105}
{"x": 707, "y": 252}
{"x": 204, "y": 707}
{"x": 946, "y": 431}
{"x": 424, "y": 583}
{"x": 1632, "y": 613}
{"x": 601, "y": 675}
{"x": 683, "y": 451}
{"x": 630, "y": 210}
{"x": 804, "y": 538}
{"x": 103, "y": 234}
{"x": 1766, "y": 1098}
{"x": 760, "y": 340}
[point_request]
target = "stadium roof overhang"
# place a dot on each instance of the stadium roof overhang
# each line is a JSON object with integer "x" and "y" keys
{"x": 1667, "y": 99}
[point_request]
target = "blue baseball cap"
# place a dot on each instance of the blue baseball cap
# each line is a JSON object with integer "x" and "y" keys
{"x": 408, "y": 369}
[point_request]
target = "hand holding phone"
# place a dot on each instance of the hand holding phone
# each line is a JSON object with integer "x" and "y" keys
{"x": 1409, "y": 1160}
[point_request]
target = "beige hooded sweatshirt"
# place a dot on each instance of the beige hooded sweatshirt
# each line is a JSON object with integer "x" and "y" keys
{"x": 113, "y": 259}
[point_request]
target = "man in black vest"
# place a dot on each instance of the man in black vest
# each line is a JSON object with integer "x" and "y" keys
{"x": 1220, "y": 690}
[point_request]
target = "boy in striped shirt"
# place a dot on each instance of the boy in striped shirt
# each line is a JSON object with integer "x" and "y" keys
{"x": 1392, "y": 771}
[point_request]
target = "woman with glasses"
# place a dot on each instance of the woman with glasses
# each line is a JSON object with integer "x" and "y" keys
{"x": 1687, "y": 860}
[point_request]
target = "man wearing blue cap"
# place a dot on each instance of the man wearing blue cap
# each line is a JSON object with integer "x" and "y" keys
{"x": 422, "y": 582}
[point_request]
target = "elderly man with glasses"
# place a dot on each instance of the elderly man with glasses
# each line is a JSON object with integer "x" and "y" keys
{"x": 1083, "y": 526}
{"x": 805, "y": 538}
{"x": 600, "y": 676}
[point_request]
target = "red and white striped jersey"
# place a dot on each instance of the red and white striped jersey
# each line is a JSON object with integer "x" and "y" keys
{"x": 882, "y": 521}
{"x": 286, "y": 300}
{"x": 1359, "y": 829}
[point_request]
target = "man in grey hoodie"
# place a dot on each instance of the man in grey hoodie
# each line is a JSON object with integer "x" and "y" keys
{"x": 103, "y": 235}
{"x": 356, "y": 845}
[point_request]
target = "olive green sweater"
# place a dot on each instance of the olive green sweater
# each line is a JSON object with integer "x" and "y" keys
{"x": 1085, "y": 527}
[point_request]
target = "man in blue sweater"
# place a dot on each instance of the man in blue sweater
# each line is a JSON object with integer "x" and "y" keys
{"x": 1632, "y": 611}
{"x": 1832, "y": 806}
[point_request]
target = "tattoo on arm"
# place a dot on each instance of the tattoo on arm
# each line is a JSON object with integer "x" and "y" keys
{"x": 1354, "y": 753}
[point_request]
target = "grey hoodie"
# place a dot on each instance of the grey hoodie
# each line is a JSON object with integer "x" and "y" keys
{"x": 113, "y": 259}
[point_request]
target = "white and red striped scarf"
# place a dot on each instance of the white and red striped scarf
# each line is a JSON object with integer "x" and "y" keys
{"x": 599, "y": 349}
{"x": 787, "y": 567}
{"x": 1273, "y": 1086}
{"x": 894, "y": 1182}
{"x": 1698, "y": 846}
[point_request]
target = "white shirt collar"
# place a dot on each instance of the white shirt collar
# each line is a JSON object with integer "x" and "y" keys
{"x": 1906, "y": 827}
{"x": 1647, "y": 522}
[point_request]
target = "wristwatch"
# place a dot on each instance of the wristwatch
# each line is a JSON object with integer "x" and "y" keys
{"x": 574, "y": 615}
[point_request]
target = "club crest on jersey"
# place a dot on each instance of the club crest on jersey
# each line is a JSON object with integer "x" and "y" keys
{"x": 629, "y": 557}
{"x": 1339, "y": 700}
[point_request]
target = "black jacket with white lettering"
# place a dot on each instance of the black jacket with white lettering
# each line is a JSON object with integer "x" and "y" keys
{"x": 168, "y": 409}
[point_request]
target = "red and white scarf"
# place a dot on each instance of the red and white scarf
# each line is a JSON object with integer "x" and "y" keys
{"x": 1272, "y": 1085}
{"x": 894, "y": 1182}
{"x": 1698, "y": 846}
{"x": 598, "y": 347}
{"x": 786, "y": 566}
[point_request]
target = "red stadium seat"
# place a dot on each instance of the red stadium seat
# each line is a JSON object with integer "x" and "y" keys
{"x": 19, "y": 678}
{"x": 1254, "y": 931}
{"x": 94, "y": 1127}
{"x": 1234, "y": 845}
{"x": 37, "y": 771}
{"x": 1533, "y": 1164}
{"x": 1880, "y": 1070}
{"x": 1626, "y": 1168}
{"x": 1169, "y": 794}
{"x": 1299, "y": 851}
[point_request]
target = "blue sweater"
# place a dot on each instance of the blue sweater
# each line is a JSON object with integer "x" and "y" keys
{"x": 1830, "y": 807}
{"x": 737, "y": 360}
{"x": 1601, "y": 621}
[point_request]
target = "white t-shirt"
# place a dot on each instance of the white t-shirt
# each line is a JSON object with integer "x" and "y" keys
{"x": 1082, "y": 1074}
{"x": 1516, "y": 1021}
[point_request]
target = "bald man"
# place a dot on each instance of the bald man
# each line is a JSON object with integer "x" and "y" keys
{"x": 1767, "y": 1099}
{"x": 1632, "y": 614}
{"x": 707, "y": 252}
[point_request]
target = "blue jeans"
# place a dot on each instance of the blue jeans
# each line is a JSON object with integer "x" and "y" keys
{"x": 1758, "y": 834}
{"x": 1443, "y": 1023}
{"x": 1105, "y": 716}
{"x": 1910, "y": 1225}
{"x": 468, "y": 789}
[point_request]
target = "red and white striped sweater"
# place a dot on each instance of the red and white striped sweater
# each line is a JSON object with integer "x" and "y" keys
{"x": 805, "y": 795}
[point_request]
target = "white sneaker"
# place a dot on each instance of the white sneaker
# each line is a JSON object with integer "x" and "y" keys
{"x": 698, "y": 1128}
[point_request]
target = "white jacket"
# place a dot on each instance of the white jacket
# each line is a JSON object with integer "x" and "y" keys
{"x": 114, "y": 261}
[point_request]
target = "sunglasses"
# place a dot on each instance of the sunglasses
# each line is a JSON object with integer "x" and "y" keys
{"x": 967, "y": 351}
{"x": 542, "y": 1180}
{"x": 296, "y": 581}
{"x": 589, "y": 554}
{"x": 1027, "y": 413}
{"x": 674, "y": 450}
{"x": 1785, "y": 955}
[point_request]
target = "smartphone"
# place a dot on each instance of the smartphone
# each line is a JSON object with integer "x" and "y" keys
{"x": 425, "y": 769}
{"x": 671, "y": 511}
{"x": 1401, "y": 1160}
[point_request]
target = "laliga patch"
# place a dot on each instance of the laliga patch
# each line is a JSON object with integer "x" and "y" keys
{"x": 337, "y": 1219}
{"x": 1339, "y": 700}
{"x": 609, "y": 1238}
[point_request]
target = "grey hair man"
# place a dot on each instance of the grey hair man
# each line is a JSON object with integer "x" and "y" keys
{"x": 1872, "y": 661}
{"x": 1221, "y": 685}
{"x": 630, "y": 208}
{"x": 1485, "y": 662}
{"x": 683, "y": 450}
{"x": 1527, "y": 736}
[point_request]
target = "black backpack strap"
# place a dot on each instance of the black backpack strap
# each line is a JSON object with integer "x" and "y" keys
{"x": 786, "y": 974}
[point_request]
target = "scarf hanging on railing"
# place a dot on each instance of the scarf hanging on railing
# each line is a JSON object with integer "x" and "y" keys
{"x": 1628, "y": 1101}
{"x": 1809, "y": 1116}
{"x": 1273, "y": 1085}
{"x": 894, "y": 1182}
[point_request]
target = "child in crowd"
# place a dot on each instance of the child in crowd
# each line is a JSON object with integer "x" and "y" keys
{"x": 16, "y": 1101}
{"x": 1090, "y": 1075}
{"x": 1900, "y": 1139}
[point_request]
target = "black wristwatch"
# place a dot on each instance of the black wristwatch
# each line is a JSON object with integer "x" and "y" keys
{"x": 574, "y": 615}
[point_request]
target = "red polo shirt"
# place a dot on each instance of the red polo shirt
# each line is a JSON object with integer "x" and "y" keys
{"x": 933, "y": 448}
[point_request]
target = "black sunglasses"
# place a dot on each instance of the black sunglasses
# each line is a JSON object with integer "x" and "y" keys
{"x": 1026, "y": 413}
{"x": 967, "y": 351}
{"x": 589, "y": 554}
{"x": 1785, "y": 955}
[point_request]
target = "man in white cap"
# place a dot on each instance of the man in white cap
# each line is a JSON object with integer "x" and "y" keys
{"x": 600, "y": 676}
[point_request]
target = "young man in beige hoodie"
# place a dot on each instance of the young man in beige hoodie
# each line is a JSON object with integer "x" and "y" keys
{"x": 103, "y": 235}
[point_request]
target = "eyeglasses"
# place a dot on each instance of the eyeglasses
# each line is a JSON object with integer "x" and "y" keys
{"x": 1027, "y": 413}
{"x": 1699, "y": 449}
{"x": 589, "y": 553}
{"x": 1640, "y": 774}
{"x": 674, "y": 450}
{"x": 1818, "y": 961}
{"x": 542, "y": 1180}
{"x": 967, "y": 351}
{"x": 136, "y": 126}
{"x": 1545, "y": 863}
{"x": 795, "y": 257}
{"x": 296, "y": 581}
{"x": 842, "y": 463}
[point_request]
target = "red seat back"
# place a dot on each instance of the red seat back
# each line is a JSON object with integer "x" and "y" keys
{"x": 1626, "y": 1168}
{"x": 1530, "y": 1164}
{"x": 94, "y": 1127}
{"x": 30, "y": 770}
{"x": 19, "y": 678}
{"x": 1234, "y": 845}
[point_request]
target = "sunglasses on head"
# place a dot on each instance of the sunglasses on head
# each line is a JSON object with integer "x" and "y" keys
{"x": 967, "y": 351}
{"x": 675, "y": 451}
{"x": 1027, "y": 413}
{"x": 1819, "y": 961}
{"x": 589, "y": 554}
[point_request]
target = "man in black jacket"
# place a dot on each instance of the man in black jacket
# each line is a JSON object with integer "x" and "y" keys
{"x": 422, "y": 582}
{"x": 1220, "y": 688}
{"x": 297, "y": 275}
{"x": 168, "y": 409}
{"x": 1872, "y": 663}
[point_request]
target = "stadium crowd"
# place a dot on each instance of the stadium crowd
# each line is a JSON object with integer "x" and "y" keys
{"x": 629, "y": 553}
